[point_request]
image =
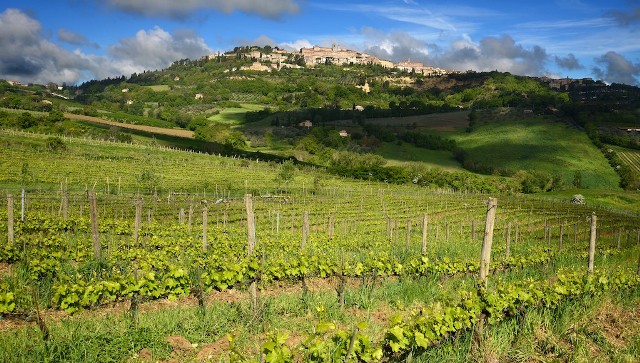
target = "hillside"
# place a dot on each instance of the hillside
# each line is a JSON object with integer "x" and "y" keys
{"x": 415, "y": 122}
{"x": 140, "y": 251}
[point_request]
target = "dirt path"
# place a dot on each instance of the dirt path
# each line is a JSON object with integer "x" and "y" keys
{"x": 152, "y": 129}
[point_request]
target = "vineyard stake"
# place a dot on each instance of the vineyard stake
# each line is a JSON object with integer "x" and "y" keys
{"x": 592, "y": 241}
{"x": 138, "y": 221}
{"x": 190, "y": 218}
{"x": 10, "y": 238}
{"x": 561, "y": 236}
{"x": 251, "y": 245}
{"x": 205, "y": 215}
{"x": 507, "y": 251}
{"x": 424, "y": 234}
{"x": 24, "y": 195}
{"x": 488, "y": 239}
{"x": 305, "y": 229}
{"x": 94, "y": 225}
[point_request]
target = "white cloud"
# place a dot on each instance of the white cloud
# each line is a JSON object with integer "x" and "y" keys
{"x": 185, "y": 8}
{"x": 296, "y": 45}
{"x": 617, "y": 69}
{"x": 75, "y": 38}
{"x": 29, "y": 56}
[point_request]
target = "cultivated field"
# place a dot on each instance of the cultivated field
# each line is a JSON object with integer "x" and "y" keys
{"x": 145, "y": 128}
{"x": 132, "y": 253}
{"x": 631, "y": 157}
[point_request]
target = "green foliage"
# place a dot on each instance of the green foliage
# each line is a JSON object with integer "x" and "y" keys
{"x": 287, "y": 172}
{"x": 55, "y": 116}
{"x": 55, "y": 144}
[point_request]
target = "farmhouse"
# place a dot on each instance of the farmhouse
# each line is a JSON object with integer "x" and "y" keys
{"x": 306, "y": 123}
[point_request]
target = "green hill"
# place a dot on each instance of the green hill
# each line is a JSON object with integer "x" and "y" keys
{"x": 544, "y": 145}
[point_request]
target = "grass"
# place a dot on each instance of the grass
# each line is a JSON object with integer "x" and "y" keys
{"x": 407, "y": 153}
{"x": 437, "y": 122}
{"x": 540, "y": 144}
{"x": 159, "y": 87}
{"x": 235, "y": 115}
{"x": 567, "y": 333}
{"x": 616, "y": 199}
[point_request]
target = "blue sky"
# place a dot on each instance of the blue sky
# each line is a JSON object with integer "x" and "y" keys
{"x": 76, "y": 40}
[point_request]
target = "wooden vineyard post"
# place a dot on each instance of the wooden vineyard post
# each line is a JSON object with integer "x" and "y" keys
{"x": 205, "y": 222}
{"x": 22, "y": 205}
{"x": 93, "y": 210}
{"x": 592, "y": 241}
{"x": 277, "y": 224}
{"x": 408, "y": 236}
{"x": 64, "y": 205}
{"x": 330, "y": 227}
{"x": 305, "y": 229}
{"x": 138, "y": 221}
{"x": 473, "y": 231}
{"x": 190, "y": 218}
{"x": 10, "y": 237}
{"x": 251, "y": 245}
{"x": 507, "y": 251}
{"x": 424, "y": 234}
{"x": 561, "y": 236}
{"x": 251, "y": 226}
{"x": 488, "y": 239}
{"x": 619, "y": 237}
{"x": 181, "y": 216}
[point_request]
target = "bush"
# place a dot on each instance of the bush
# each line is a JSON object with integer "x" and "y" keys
{"x": 55, "y": 144}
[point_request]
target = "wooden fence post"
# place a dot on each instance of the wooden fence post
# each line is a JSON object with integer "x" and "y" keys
{"x": 190, "y": 218}
{"x": 138, "y": 221}
{"x": 65, "y": 205}
{"x": 10, "y": 236}
{"x": 592, "y": 241}
{"x": 251, "y": 245}
{"x": 488, "y": 239}
{"x": 473, "y": 231}
{"x": 507, "y": 251}
{"x": 205, "y": 223}
{"x": 424, "y": 234}
{"x": 561, "y": 235}
{"x": 330, "y": 226}
{"x": 22, "y": 205}
{"x": 305, "y": 229}
{"x": 93, "y": 209}
{"x": 408, "y": 236}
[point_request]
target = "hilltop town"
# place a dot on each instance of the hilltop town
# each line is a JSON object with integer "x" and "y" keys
{"x": 267, "y": 59}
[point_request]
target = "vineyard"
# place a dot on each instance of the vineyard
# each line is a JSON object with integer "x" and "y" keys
{"x": 631, "y": 158}
{"x": 114, "y": 252}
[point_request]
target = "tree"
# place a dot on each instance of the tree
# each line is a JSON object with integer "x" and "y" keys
{"x": 577, "y": 179}
{"x": 55, "y": 143}
{"x": 55, "y": 116}
{"x": 287, "y": 172}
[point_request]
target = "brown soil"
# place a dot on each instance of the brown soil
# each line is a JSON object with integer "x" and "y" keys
{"x": 145, "y": 355}
{"x": 151, "y": 129}
{"x": 179, "y": 343}
{"x": 5, "y": 268}
{"x": 213, "y": 351}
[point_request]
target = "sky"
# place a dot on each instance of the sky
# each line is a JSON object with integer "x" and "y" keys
{"x": 72, "y": 41}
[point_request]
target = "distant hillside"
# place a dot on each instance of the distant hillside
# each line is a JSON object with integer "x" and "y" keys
{"x": 259, "y": 99}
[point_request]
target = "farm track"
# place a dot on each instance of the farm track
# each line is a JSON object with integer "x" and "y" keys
{"x": 151, "y": 129}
